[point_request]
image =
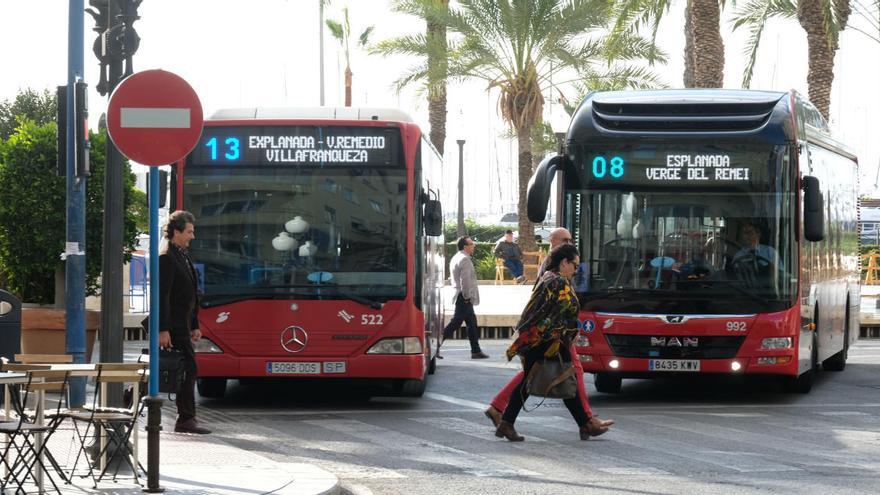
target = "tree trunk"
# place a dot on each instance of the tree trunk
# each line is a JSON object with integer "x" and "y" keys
{"x": 821, "y": 48}
{"x": 688, "y": 48}
{"x": 437, "y": 73}
{"x": 526, "y": 228}
{"x": 708, "y": 45}
{"x": 348, "y": 75}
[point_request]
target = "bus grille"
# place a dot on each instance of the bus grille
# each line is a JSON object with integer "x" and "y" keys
{"x": 682, "y": 117}
{"x": 649, "y": 346}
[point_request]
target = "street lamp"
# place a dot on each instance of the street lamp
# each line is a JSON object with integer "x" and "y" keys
{"x": 460, "y": 142}
{"x": 559, "y": 122}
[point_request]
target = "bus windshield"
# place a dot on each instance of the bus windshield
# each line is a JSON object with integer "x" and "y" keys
{"x": 300, "y": 233}
{"x": 686, "y": 250}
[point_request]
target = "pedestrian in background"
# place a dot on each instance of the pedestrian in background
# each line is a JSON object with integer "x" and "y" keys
{"x": 546, "y": 329}
{"x": 179, "y": 310}
{"x": 467, "y": 295}
{"x": 510, "y": 252}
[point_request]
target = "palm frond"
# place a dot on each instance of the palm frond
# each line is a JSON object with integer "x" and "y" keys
{"x": 364, "y": 38}
{"x": 335, "y": 29}
{"x": 755, "y": 14}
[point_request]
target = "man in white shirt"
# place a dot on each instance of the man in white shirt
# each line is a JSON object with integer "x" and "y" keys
{"x": 467, "y": 295}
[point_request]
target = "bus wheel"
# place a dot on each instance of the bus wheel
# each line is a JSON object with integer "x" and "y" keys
{"x": 837, "y": 362}
{"x": 608, "y": 383}
{"x": 432, "y": 365}
{"x": 803, "y": 383}
{"x": 410, "y": 388}
{"x": 211, "y": 388}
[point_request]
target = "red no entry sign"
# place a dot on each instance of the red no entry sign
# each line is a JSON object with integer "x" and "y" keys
{"x": 154, "y": 117}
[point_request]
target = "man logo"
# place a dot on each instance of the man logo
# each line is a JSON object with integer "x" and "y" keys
{"x": 294, "y": 339}
{"x": 675, "y": 319}
{"x": 675, "y": 342}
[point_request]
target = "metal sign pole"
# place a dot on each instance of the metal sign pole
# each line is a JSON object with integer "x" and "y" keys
{"x": 154, "y": 403}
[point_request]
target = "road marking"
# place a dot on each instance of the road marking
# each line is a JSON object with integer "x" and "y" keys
{"x": 415, "y": 449}
{"x": 635, "y": 471}
{"x": 483, "y": 430}
{"x": 727, "y": 415}
{"x": 785, "y": 446}
{"x": 743, "y": 462}
{"x": 842, "y": 413}
{"x": 154, "y": 118}
{"x": 455, "y": 400}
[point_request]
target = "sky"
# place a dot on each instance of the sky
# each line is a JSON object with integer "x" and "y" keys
{"x": 265, "y": 53}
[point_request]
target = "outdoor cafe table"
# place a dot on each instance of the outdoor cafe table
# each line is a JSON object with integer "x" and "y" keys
{"x": 76, "y": 370}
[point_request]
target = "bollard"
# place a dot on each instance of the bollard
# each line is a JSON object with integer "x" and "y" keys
{"x": 154, "y": 426}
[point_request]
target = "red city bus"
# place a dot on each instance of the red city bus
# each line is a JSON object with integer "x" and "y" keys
{"x": 718, "y": 234}
{"x": 318, "y": 245}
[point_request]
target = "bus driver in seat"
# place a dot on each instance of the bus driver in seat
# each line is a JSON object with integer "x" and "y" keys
{"x": 753, "y": 251}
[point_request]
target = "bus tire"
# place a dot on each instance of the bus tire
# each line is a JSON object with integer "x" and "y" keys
{"x": 211, "y": 388}
{"x": 837, "y": 362}
{"x": 432, "y": 365}
{"x": 608, "y": 383}
{"x": 803, "y": 383}
{"x": 410, "y": 388}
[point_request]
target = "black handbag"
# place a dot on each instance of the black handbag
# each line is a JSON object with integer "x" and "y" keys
{"x": 172, "y": 370}
{"x": 552, "y": 379}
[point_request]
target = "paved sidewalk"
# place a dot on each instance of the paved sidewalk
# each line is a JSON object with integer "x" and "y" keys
{"x": 198, "y": 464}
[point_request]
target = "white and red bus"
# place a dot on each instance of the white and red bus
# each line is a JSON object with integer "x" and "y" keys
{"x": 718, "y": 233}
{"x": 318, "y": 244}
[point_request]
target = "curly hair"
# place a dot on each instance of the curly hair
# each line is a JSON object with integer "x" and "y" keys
{"x": 177, "y": 222}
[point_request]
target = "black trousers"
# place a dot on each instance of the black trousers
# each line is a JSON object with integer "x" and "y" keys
{"x": 520, "y": 394}
{"x": 186, "y": 397}
{"x": 464, "y": 312}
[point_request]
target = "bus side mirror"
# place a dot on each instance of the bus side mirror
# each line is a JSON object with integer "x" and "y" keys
{"x": 433, "y": 217}
{"x": 814, "y": 209}
{"x": 539, "y": 187}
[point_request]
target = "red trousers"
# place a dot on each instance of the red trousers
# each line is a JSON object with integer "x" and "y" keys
{"x": 500, "y": 401}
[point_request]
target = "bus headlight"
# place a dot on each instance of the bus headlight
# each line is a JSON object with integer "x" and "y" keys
{"x": 397, "y": 345}
{"x": 776, "y": 343}
{"x": 204, "y": 345}
{"x": 582, "y": 341}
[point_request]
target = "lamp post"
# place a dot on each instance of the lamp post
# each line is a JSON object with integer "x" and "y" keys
{"x": 559, "y": 122}
{"x": 461, "y": 231}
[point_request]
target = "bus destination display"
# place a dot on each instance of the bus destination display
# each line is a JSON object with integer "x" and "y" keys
{"x": 298, "y": 146}
{"x": 659, "y": 167}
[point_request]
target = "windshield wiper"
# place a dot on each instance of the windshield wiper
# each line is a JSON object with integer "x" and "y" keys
{"x": 366, "y": 301}
{"x": 620, "y": 290}
{"x": 732, "y": 284}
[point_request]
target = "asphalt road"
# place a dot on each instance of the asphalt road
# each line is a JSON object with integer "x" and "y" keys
{"x": 712, "y": 435}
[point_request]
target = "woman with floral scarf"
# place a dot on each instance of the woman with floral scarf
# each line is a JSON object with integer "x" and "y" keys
{"x": 547, "y": 327}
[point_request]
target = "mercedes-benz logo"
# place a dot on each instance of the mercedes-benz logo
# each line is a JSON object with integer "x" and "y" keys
{"x": 294, "y": 339}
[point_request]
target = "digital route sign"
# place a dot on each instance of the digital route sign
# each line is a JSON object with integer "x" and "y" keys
{"x": 308, "y": 146}
{"x": 668, "y": 167}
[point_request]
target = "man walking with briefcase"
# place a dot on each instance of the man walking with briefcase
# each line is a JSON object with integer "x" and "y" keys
{"x": 179, "y": 310}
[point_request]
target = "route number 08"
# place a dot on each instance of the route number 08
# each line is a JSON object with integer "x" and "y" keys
{"x": 600, "y": 167}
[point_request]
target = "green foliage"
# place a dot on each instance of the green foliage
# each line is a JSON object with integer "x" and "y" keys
{"x": 477, "y": 232}
{"x": 30, "y": 104}
{"x": 33, "y": 211}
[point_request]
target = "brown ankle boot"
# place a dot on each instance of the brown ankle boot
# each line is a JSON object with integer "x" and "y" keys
{"x": 494, "y": 415}
{"x": 594, "y": 427}
{"x": 507, "y": 431}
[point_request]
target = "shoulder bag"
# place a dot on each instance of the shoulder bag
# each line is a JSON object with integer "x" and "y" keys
{"x": 551, "y": 379}
{"x": 172, "y": 370}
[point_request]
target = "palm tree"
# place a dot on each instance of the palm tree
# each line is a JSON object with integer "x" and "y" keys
{"x": 321, "y": 4}
{"x": 823, "y": 21}
{"x": 704, "y": 47}
{"x": 516, "y": 46}
{"x": 432, "y": 71}
{"x": 342, "y": 32}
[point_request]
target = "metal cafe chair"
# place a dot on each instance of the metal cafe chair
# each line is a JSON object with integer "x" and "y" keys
{"x": 24, "y": 434}
{"x": 113, "y": 426}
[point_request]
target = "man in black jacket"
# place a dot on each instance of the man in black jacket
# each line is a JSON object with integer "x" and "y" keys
{"x": 179, "y": 310}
